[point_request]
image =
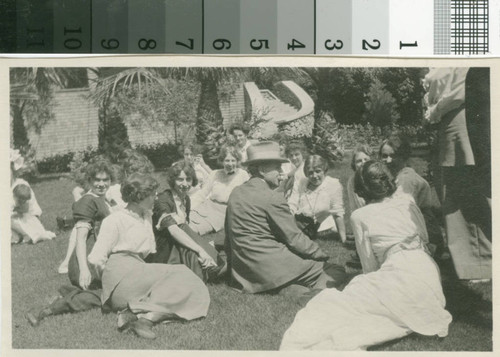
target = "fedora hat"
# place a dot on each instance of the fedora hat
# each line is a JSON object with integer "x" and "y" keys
{"x": 264, "y": 151}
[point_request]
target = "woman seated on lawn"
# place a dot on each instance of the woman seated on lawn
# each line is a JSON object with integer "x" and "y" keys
{"x": 395, "y": 153}
{"x": 400, "y": 289}
{"x": 113, "y": 198}
{"x": 317, "y": 200}
{"x": 240, "y": 134}
{"x": 176, "y": 242}
{"x": 25, "y": 211}
{"x": 296, "y": 152}
{"x": 209, "y": 204}
{"x": 193, "y": 155}
{"x": 88, "y": 213}
{"x": 143, "y": 294}
{"x": 360, "y": 155}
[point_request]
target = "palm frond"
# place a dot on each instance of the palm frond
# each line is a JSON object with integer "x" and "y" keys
{"x": 108, "y": 86}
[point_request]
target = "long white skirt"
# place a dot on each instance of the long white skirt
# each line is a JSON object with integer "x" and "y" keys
{"x": 403, "y": 296}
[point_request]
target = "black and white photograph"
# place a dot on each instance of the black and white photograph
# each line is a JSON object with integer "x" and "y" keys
{"x": 247, "y": 204}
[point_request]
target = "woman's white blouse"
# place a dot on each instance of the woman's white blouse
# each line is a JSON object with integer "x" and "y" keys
{"x": 219, "y": 186}
{"x": 377, "y": 227}
{"x": 123, "y": 231}
{"x": 34, "y": 208}
{"x": 321, "y": 202}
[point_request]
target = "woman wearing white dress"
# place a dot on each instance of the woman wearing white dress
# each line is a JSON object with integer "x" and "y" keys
{"x": 193, "y": 155}
{"x": 209, "y": 204}
{"x": 399, "y": 291}
{"x": 317, "y": 203}
{"x": 240, "y": 134}
{"x": 296, "y": 152}
{"x": 25, "y": 211}
{"x": 360, "y": 155}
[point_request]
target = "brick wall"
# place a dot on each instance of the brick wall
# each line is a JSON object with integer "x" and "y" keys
{"x": 75, "y": 126}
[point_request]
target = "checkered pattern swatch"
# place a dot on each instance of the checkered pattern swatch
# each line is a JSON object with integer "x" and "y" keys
{"x": 469, "y": 27}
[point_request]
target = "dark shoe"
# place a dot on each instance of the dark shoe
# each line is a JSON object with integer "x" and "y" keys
{"x": 65, "y": 223}
{"x": 34, "y": 317}
{"x": 125, "y": 318}
{"x": 143, "y": 328}
{"x": 216, "y": 274}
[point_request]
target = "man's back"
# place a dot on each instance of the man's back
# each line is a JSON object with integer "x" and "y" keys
{"x": 264, "y": 246}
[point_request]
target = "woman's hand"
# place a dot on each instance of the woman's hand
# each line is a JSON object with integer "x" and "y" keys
{"x": 85, "y": 278}
{"x": 205, "y": 259}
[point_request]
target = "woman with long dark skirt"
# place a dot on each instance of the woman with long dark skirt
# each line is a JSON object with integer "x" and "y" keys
{"x": 176, "y": 242}
{"x": 88, "y": 213}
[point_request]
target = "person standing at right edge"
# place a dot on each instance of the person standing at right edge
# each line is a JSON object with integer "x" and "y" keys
{"x": 477, "y": 117}
{"x": 465, "y": 209}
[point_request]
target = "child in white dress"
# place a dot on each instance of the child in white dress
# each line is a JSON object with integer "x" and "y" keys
{"x": 26, "y": 226}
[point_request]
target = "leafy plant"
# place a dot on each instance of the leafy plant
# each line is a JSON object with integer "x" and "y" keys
{"x": 380, "y": 106}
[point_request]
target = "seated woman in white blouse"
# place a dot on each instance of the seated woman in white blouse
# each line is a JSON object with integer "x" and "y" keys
{"x": 317, "y": 198}
{"x": 208, "y": 205}
{"x": 143, "y": 293}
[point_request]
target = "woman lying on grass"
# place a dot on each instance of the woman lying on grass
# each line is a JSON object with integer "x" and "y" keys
{"x": 142, "y": 293}
{"x": 399, "y": 291}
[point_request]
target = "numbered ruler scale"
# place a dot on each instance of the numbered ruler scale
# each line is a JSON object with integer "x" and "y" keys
{"x": 326, "y": 27}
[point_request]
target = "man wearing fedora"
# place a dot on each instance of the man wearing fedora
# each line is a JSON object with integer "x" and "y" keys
{"x": 265, "y": 248}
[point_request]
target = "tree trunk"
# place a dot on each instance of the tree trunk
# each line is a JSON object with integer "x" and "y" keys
{"x": 113, "y": 134}
{"x": 19, "y": 133}
{"x": 209, "y": 117}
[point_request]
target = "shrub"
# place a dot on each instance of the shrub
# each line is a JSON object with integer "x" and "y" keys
{"x": 380, "y": 106}
{"x": 56, "y": 164}
{"x": 327, "y": 142}
{"x": 161, "y": 155}
{"x": 373, "y": 135}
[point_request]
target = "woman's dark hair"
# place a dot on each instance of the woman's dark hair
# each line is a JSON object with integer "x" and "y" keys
{"x": 400, "y": 144}
{"x": 239, "y": 126}
{"x": 97, "y": 167}
{"x": 315, "y": 161}
{"x": 196, "y": 149}
{"x": 374, "y": 181}
{"x": 22, "y": 192}
{"x": 175, "y": 170}
{"x": 137, "y": 187}
{"x": 135, "y": 162}
{"x": 365, "y": 149}
{"x": 297, "y": 145}
{"x": 228, "y": 150}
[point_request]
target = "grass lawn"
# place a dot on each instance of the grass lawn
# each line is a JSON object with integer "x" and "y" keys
{"x": 235, "y": 321}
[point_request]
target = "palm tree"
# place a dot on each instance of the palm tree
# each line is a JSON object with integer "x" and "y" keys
{"x": 209, "y": 116}
{"x": 31, "y": 95}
